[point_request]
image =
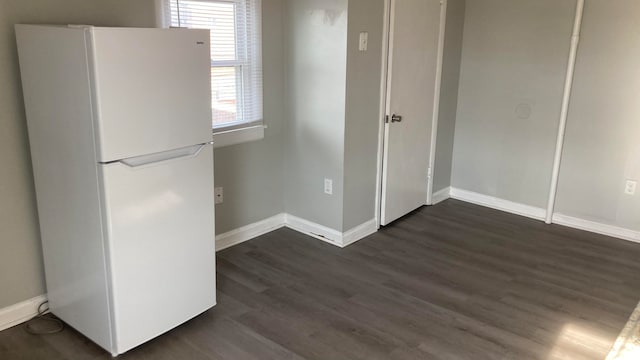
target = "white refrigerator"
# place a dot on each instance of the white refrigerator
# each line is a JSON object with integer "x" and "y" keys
{"x": 119, "y": 123}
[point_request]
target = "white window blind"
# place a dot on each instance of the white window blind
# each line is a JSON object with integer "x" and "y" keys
{"x": 236, "y": 56}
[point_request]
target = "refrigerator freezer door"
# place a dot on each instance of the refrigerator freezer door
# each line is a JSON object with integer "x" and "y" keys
{"x": 152, "y": 90}
{"x": 160, "y": 229}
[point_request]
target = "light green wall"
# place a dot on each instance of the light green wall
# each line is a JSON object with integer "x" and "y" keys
{"x": 21, "y": 270}
{"x": 602, "y": 144}
{"x": 515, "y": 52}
{"x": 251, "y": 173}
{"x": 362, "y": 112}
{"x": 514, "y": 56}
{"x": 316, "y": 57}
{"x": 321, "y": 105}
{"x": 333, "y": 100}
{"x": 449, "y": 94}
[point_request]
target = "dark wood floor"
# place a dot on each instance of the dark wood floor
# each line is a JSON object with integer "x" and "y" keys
{"x": 454, "y": 281}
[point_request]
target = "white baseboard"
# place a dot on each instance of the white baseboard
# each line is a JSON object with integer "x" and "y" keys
{"x": 329, "y": 235}
{"x": 441, "y": 195}
{"x": 359, "y": 232}
{"x": 598, "y": 228}
{"x": 312, "y": 229}
{"x": 245, "y": 233}
{"x": 540, "y": 214}
{"x": 248, "y": 232}
{"x": 498, "y": 204}
{"x": 20, "y": 312}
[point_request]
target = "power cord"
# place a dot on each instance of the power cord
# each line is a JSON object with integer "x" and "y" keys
{"x": 34, "y": 325}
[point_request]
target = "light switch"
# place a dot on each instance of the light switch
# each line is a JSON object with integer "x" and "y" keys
{"x": 364, "y": 41}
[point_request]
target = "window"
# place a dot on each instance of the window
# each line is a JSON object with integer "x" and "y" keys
{"x": 236, "y": 61}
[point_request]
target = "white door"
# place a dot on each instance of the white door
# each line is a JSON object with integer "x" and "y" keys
{"x": 411, "y": 91}
{"x": 160, "y": 226}
{"x": 152, "y": 90}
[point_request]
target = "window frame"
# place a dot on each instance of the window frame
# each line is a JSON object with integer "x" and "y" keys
{"x": 232, "y": 133}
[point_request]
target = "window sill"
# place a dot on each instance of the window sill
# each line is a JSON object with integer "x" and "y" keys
{"x": 238, "y": 136}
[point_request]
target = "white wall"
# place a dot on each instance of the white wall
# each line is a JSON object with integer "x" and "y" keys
{"x": 602, "y": 145}
{"x": 513, "y": 63}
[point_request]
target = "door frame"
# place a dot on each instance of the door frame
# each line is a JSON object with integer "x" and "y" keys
{"x": 385, "y": 96}
{"x": 386, "y": 32}
{"x": 436, "y": 101}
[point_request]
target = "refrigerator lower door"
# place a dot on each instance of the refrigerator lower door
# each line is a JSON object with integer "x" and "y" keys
{"x": 160, "y": 230}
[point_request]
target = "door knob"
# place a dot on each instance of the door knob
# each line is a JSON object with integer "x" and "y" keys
{"x": 396, "y": 118}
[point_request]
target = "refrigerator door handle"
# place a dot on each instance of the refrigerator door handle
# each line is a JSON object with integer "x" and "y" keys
{"x": 187, "y": 152}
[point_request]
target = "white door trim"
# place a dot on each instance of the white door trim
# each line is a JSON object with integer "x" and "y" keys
{"x": 383, "y": 109}
{"x": 387, "y": 70}
{"x": 436, "y": 101}
{"x": 564, "y": 112}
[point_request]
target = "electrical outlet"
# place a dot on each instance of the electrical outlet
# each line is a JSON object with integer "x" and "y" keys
{"x": 630, "y": 187}
{"x": 364, "y": 41}
{"x": 219, "y": 195}
{"x": 328, "y": 186}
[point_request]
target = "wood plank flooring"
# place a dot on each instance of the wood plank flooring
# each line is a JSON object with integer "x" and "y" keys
{"x": 454, "y": 281}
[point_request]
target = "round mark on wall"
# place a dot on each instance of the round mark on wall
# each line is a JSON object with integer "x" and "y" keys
{"x": 523, "y": 111}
